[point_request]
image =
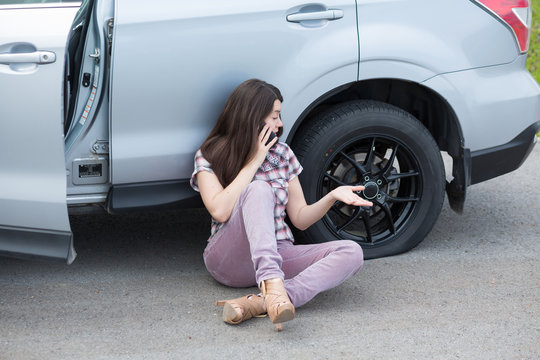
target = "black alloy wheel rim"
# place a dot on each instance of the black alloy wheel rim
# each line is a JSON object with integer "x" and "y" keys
{"x": 392, "y": 178}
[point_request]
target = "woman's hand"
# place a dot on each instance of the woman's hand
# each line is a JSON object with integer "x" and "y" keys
{"x": 347, "y": 195}
{"x": 262, "y": 149}
{"x": 303, "y": 216}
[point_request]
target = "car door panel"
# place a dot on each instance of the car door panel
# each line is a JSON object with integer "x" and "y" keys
{"x": 174, "y": 64}
{"x": 33, "y": 212}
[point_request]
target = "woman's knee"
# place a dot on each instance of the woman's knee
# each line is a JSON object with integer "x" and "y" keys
{"x": 258, "y": 188}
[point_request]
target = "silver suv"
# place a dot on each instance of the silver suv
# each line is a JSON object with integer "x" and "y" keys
{"x": 103, "y": 105}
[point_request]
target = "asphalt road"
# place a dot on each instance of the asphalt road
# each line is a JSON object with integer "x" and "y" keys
{"x": 139, "y": 290}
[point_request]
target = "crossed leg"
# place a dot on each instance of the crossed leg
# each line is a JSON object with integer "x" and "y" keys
{"x": 244, "y": 252}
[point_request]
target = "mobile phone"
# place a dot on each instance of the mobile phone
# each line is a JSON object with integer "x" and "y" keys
{"x": 270, "y": 138}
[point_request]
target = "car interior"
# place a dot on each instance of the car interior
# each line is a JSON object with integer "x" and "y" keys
{"x": 74, "y": 54}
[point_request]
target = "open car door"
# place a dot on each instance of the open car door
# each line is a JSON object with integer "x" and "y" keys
{"x": 33, "y": 212}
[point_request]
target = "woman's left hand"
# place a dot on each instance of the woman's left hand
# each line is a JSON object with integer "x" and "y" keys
{"x": 347, "y": 195}
{"x": 303, "y": 216}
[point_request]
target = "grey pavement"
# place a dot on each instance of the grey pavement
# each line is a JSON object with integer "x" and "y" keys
{"x": 139, "y": 290}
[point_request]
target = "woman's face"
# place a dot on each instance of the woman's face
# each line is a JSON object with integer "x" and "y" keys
{"x": 273, "y": 120}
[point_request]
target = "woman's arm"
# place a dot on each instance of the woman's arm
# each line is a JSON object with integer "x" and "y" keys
{"x": 220, "y": 201}
{"x": 303, "y": 215}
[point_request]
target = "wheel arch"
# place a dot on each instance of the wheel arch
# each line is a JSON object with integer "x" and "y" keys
{"x": 429, "y": 107}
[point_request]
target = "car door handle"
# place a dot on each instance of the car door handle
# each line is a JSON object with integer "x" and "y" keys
{"x": 35, "y": 57}
{"x": 332, "y": 14}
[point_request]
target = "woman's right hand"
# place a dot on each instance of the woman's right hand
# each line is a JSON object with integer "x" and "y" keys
{"x": 262, "y": 149}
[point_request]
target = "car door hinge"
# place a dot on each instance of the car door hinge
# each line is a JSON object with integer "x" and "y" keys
{"x": 101, "y": 147}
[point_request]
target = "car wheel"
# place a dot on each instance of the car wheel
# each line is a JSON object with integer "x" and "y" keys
{"x": 389, "y": 152}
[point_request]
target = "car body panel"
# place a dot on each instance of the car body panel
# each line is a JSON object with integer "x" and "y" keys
{"x": 33, "y": 173}
{"x": 496, "y": 97}
{"x": 414, "y": 32}
{"x": 168, "y": 90}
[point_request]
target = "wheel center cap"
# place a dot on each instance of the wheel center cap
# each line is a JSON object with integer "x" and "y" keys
{"x": 371, "y": 190}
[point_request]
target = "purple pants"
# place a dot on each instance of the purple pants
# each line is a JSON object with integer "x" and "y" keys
{"x": 245, "y": 252}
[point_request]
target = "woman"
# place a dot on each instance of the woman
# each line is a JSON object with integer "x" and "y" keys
{"x": 248, "y": 180}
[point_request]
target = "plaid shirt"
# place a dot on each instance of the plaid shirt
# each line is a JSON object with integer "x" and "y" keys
{"x": 279, "y": 167}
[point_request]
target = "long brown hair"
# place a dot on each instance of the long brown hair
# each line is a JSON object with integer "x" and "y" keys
{"x": 233, "y": 139}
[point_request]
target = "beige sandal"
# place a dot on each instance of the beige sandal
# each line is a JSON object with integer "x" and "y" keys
{"x": 241, "y": 309}
{"x": 278, "y": 304}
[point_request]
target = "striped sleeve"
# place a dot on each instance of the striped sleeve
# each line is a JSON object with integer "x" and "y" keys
{"x": 294, "y": 168}
{"x": 201, "y": 164}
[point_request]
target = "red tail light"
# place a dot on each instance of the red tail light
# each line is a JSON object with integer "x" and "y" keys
{"x": 514, "y": 13}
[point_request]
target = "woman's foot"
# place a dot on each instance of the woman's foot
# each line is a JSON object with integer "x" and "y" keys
{"x": 241, "y": 309}
{"x": 278, "y": 304}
